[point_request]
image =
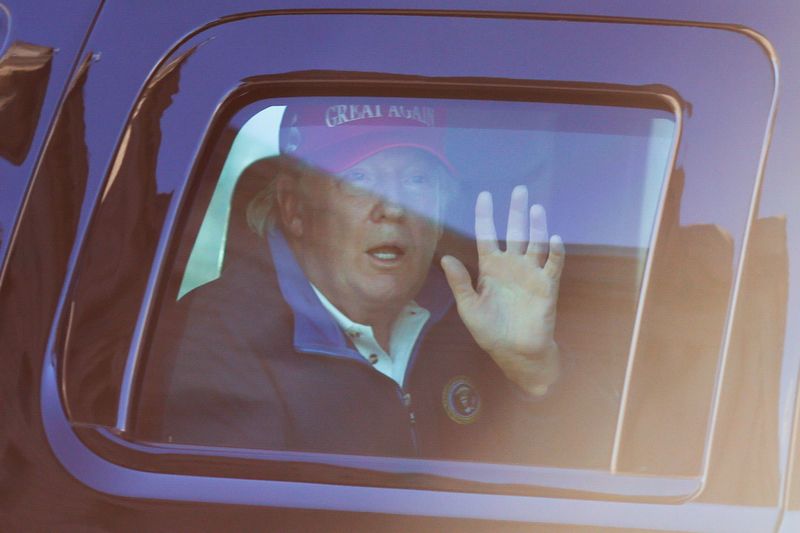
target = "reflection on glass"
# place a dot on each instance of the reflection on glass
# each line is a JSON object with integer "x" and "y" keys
{"x": 4, "y": 26}
{"x": 346, "y": 290}
{"x": 596, "y": 153}
{"x": 24, "y": 73}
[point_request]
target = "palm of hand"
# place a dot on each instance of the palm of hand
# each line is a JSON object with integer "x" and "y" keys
{"x": 512, "y": 313}
{"x": 515, "y": 306}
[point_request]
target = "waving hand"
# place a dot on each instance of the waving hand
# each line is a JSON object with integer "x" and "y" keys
{"x": 512, "y": 313}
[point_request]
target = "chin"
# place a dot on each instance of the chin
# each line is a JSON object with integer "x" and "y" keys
{"x": 386, "y": 294}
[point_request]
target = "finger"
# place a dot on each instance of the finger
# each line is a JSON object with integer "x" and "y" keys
{"x": 555, "y": 260}
{"x": 517, "y": 213}
{"x": 537, "y": 243}
{"x": 459, "y": 280}
{"x": 485, "y": 233}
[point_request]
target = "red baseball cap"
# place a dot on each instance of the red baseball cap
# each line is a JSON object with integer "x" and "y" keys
{"x": 336, "y": 136}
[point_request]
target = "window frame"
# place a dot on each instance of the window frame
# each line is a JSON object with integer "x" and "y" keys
{"x": 47, "y": 392}
{"x": 389, "y": 472}
{"x": 426, "y": 475}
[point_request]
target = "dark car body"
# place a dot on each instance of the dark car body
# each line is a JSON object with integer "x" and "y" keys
{"x": 104, "y": 108}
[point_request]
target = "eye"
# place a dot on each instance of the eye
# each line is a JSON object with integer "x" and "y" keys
{"x": 356, "y": 181}
{"x": 358, "y": 178}
{"x": 419, "y": 180}
{"x": 354, "y": 177}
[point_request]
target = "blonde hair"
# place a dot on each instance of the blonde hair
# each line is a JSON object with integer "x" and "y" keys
{"x": 263, "y": 211}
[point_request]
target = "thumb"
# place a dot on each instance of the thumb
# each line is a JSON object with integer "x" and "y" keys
{"x": 459, "y": 280}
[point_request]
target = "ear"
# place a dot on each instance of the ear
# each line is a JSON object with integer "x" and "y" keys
{"x": 290, "y": 204}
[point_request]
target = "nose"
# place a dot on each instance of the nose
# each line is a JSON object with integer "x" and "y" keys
{"x": 389, "y": 203}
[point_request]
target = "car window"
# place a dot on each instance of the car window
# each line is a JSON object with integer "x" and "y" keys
{"x": 258, "y": 348}
{"x": 621, "y": 160}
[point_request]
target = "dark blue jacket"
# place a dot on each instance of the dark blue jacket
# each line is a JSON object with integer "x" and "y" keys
{"x": 261, "y": 364}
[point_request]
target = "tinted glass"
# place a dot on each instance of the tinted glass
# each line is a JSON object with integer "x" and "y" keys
{"x": 305, "y": 307}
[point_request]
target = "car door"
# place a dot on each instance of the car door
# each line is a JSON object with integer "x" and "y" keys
{"x": 649, "y": 165}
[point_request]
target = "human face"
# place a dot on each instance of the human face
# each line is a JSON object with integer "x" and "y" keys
{"x": 369, "y": 237}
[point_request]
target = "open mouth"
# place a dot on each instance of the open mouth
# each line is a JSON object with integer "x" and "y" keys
{"x": 386, "y": 253}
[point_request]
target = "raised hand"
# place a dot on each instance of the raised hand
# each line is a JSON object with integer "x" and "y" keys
{"x": 512, "y": 313}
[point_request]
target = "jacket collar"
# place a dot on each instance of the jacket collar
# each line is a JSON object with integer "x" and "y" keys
{"x": 315, "y": 330}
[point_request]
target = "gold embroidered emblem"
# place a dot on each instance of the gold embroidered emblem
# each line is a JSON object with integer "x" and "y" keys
{"x": 461, "y": 400}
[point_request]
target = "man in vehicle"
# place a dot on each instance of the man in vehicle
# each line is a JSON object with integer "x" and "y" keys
{"x": 339, "y": 334}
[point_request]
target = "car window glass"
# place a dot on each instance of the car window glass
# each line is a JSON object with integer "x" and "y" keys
{"x": 258, "y": 344}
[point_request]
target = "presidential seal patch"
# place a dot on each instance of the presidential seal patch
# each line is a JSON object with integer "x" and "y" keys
{"x": 461, "y": 400}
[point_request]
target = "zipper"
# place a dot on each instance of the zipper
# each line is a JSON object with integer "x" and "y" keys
{"x": 405, "y": 399}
